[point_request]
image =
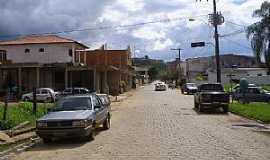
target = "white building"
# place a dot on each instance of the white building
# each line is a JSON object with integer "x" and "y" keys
{"x": 43, "y": 61}
{"x": 40, "y": 49}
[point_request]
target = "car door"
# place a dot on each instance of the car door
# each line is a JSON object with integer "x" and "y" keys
{"x": 38, "y": 95}
{"x": 253, "y": 95}
{"x": 103, "y": 110}
{"x": 98, "y": 111}
{"x": 44, "y": 94}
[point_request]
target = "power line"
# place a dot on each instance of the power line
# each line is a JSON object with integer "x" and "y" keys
{"x": 166, "y": 20}
{"x": 237, "y": 43}
{"x": 233, "y": 33}
{"x": 239, "y": 25}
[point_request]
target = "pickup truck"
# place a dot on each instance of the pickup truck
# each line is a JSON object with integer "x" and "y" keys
{"x": 211, "y": 95}
{"x": 74, "y": 116}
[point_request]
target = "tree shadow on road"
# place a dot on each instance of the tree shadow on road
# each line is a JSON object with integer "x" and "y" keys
{"x": 68, "y": 143}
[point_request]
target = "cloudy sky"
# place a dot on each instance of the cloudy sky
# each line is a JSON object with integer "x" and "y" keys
{"x": 154, "y": 39}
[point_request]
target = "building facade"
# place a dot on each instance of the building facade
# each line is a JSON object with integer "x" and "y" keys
{"x": 42, "y": 61}
{"x": 113, "y": 68}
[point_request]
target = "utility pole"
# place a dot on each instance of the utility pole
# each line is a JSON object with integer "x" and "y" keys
{"x": 179, "y": 63}
{"x": 216, "y": 19}
{"x": 217, "y": 42}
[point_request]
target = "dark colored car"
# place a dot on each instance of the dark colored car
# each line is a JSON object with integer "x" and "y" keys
{"x": 74, "y": 116}
{"x": 211, "y": 96}
{"x": 189, "y": 88}
{"x": 252, "y": 94}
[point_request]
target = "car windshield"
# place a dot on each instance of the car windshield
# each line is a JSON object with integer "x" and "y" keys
{"x": 211, "y": 87}
{"x": 191, "y": 85}
{"x": 74, "y": 103}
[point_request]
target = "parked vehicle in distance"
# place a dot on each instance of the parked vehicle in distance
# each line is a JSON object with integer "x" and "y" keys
{"x": 252, "y": 94}
{"x": 189, "y": 88}
{"x": 211, "y": 95}
{"x": 160, "y": 87}
{"x": 74, "y": 116}
{"x": 42, "y": 94}
{"x": 238, "y": 86}
{"x": 75, "y": 90}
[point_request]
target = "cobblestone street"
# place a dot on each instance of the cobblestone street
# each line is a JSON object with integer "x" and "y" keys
{"x": 161, "y": 125}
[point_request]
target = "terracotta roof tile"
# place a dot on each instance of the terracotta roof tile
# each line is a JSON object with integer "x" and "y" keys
{"x": 38, "y": 39}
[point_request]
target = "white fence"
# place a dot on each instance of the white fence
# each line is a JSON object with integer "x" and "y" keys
{"x": 258, "y": 80}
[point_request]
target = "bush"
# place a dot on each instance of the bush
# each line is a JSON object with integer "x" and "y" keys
{"x": 21, "y": 112}
{"x": 4, "y": 125}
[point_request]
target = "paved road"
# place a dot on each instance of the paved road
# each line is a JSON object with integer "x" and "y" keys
{"x": 162, "y": 125}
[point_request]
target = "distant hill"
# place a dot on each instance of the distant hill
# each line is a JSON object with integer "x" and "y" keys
{"x": 146, "y": 62}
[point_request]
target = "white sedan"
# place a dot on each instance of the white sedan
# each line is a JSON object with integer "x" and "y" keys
{"x": 160, "y": 87}
{"x": 42, "y": 94}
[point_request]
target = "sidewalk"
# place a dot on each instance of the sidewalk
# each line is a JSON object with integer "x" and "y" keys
{"x": 122, "y": 97}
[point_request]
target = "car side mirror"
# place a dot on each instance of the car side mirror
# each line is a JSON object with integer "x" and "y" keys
{"x": 97, "y": 107}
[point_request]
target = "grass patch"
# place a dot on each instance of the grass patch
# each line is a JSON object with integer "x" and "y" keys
{"x": 21, "y": 112}
{"x": 266, "y": 87}
{"x": 258, "y": 111}
{"x": 4, "y": 147}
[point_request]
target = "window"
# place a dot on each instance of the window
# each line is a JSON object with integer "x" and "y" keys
{"x": 41, "y": 50}
{"x": 44, "y": 91}
{"x": 3, "y": 56}
{"x": 83, "y": 91}
{"x": 95, "y": 101}
{"x": 27, "y": 50}
{"x": 70, "y": 52}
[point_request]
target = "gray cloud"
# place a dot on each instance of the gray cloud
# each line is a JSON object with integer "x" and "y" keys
{"x": 38, "y": 16}
{"x": 32, "y": 16}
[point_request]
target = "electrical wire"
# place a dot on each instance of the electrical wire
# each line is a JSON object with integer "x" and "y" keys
{"x": 232, "y": 33}
{"x": 166, "y": 20}
{"x": 237, "y": 43}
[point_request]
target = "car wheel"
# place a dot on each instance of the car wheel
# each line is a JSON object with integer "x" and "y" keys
{"x": 200, "y": 108}
{"x": 47, "y": 140}
{"x": 195, "y": 104}
{"x": 225, "y": 109}
{"x": 107, "y": 124}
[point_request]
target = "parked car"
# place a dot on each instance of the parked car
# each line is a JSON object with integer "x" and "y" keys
{"x": 74, "y": 116}
{"x": 160, "y": 87}
{"x": 189, "y": 88}
{"x": 238, "y": 86}
{"x": 42, "y": 94}
{"x": 75, "y": 90}
{"x": 211, "y": 96}
{"x": 252, "y": 94}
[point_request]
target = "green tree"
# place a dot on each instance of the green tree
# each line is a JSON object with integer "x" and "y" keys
{"x": 146, "y": 57}
{"x": 259, "y": 34}
{"x": 153, "y": 73}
